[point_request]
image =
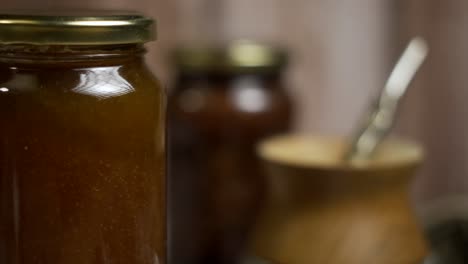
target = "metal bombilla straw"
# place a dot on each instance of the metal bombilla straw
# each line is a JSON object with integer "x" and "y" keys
{"x": 379, "y": 121}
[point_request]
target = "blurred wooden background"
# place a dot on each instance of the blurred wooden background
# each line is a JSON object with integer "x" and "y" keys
{"x": 342, "y": 52}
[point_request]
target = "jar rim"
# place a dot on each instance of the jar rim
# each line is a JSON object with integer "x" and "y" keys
{"x": 75, "y": 27}
{"x": 237, "y": 56}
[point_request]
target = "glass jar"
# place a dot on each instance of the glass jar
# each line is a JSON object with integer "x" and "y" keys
{"x": 224, "y": 101}
{"x": 82, "y": 141}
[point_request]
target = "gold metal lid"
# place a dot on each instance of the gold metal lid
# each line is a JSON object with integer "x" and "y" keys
{"x": 237, "y": 56}
{"x": 75, "y": 28}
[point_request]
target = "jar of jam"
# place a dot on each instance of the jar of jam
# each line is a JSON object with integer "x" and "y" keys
{"x": 82, "y": 141}
{"x": 224, "y": 101}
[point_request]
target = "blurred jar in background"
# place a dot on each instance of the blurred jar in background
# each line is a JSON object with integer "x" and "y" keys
{"x": 224, "y": 101}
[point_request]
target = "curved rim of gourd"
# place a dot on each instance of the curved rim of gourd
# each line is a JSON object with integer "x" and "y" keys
{"x": 325, "y": 153}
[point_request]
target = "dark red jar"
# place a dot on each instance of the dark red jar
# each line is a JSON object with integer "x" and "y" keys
{"x": 224, "y": 101}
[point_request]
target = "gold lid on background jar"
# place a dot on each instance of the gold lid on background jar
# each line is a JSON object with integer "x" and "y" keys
{"x": 75, "y": 28}
{"x": 238, "y": 56}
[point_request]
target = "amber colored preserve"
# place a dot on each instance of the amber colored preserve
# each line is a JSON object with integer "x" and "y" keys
{"x": 82, "y": 142}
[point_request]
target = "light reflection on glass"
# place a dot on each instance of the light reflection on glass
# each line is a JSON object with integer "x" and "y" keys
{"x": 248, "y": 96}
{"x": 103, "y": 83}
{"x": 22, "y": 82}
{"x": 99, "y": 23}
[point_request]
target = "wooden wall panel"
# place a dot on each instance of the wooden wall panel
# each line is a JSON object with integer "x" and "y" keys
{"x": 438, "y": 112}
